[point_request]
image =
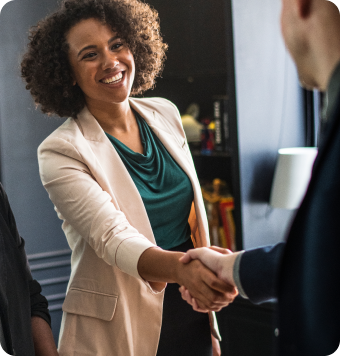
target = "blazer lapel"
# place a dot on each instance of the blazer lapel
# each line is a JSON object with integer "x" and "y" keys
{"x": 176, "y": 148}
{"x": 106, "y": 159}
{"x": 111, "y": 174}
{"x": 168, "y": 139}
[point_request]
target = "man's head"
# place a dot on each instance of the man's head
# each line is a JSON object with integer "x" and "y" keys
{"x": 311, "y": 30}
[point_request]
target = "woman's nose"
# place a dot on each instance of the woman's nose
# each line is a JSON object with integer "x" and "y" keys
{"x": 109, "y": 61}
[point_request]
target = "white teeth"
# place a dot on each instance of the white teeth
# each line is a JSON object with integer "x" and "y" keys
{"x": 116, "y": 78}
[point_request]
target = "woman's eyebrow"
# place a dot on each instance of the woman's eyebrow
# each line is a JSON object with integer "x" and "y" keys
{"x": 94, "y": 46}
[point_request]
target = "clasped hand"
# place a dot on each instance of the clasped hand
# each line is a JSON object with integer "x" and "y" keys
{"x": 207, "y": 283}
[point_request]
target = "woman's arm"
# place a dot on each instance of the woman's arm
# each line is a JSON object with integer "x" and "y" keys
{"x": 87, "y": 209}
{"x": 156, "y": 265}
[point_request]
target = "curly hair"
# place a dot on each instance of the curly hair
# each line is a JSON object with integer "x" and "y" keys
{"x": 46, "y": 68}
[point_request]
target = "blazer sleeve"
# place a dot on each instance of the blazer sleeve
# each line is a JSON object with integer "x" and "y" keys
{"x": 82, "y": 203}
{"x": 258, "y": 272}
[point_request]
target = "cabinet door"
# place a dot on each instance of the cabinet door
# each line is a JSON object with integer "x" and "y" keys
{"x": 195, "y": 32}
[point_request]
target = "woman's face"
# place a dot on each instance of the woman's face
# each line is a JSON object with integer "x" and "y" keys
{"x": 102, "y": 64}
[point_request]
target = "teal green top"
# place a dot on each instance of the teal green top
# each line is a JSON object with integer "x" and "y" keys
{"x": 165, "y": 188}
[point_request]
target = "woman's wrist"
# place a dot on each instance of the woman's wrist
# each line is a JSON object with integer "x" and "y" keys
{"x": 157, "y": 265}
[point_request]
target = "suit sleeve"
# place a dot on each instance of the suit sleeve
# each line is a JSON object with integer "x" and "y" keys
{"x": 83, "y": 204}
{"x": 258, "y": 271}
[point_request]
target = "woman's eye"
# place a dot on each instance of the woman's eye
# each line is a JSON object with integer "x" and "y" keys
{"x": 89, "y": 55}
{"x": 117, "y": 45}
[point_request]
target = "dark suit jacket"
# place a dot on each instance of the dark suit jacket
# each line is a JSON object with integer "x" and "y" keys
{"x": 258, "y": 272}
{"x": 20, "y": 296}
{"x": 309, "y": 279}
{"x": 305, "y": 272}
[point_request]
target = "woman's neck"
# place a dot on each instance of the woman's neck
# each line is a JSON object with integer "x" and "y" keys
{"x": 113, "y": 117}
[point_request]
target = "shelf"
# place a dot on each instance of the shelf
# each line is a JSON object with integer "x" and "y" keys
{"x": 197, "y": 153}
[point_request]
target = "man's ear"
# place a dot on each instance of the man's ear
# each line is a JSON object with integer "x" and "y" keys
{"x": 304, "y": 7}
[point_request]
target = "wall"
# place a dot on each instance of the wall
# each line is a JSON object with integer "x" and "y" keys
{"x": 270, "y": 114}
{"x": 22, "y": 129}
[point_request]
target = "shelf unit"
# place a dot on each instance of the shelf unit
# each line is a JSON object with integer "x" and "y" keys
{"x": 199, "y": 67}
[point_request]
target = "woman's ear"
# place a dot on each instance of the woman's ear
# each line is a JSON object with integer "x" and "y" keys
{"x": 74, "y": 82}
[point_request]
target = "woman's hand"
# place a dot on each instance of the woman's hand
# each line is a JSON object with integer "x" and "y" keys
{"x": 217, "y": 260}
{"x": 210, "y": 293}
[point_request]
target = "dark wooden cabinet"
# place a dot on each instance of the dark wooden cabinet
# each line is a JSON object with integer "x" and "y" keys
{"x": 248, "y": 329}
{"x": 200, "y": 65}
{"x": 194, "y": 31}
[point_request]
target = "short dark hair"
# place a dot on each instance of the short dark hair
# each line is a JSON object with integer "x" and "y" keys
{"x": 46, "y": 68}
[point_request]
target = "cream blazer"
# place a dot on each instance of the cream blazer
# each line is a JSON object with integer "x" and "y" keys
{"x": 109, "y": 309}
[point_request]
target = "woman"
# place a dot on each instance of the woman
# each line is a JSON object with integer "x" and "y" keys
{"x": 120, "y": 175}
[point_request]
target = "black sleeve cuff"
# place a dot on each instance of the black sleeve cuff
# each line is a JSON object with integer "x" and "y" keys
{"x": 39, "y": 304}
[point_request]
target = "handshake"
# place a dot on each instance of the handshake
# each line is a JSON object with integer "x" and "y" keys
{"x": 219, "y": 288}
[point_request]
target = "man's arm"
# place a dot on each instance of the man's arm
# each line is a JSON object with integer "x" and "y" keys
{"x": 44, "y": 344}
{"x": 258, "y": 272}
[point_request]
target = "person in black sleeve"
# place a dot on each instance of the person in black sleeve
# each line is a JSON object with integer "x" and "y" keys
{"x": 25, "y": 322}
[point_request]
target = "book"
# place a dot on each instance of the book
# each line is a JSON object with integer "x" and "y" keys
{"x": 226, "y": 207}
{"x": 222, "y": 124}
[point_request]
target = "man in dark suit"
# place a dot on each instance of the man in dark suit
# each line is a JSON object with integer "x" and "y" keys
{"x": 24, "y": 317}
{"x": 304, "y": 273}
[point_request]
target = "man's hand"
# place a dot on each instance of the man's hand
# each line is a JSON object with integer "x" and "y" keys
{"x": 210, "y": 292}
{"x": 218, "y": 260}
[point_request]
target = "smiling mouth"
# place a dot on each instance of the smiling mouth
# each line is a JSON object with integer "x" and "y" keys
{"x": 113, "y": 80}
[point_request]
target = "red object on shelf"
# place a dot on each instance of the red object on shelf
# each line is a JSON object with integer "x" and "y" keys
{"x": 226, "y": 208}
{"x": 207, "y": 138}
